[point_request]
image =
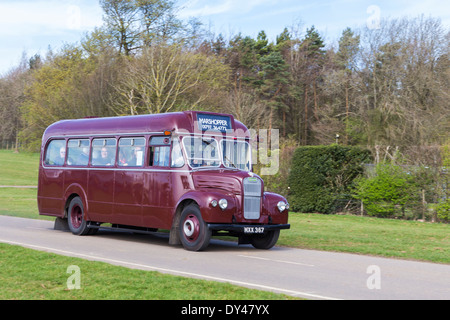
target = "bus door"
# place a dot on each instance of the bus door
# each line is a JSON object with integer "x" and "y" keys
{"x": 101, "y": 179}
{"x": 157, "y": 196}
{"x": 129, "y": 182}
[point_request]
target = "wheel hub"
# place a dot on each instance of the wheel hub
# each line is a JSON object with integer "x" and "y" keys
{"x": 191, "y": 228}
{"x": 76, "y": 216}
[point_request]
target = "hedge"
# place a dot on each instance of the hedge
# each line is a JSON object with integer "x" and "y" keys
{"x": 320, "y": 175}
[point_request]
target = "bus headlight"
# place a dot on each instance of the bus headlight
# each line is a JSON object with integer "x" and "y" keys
{"x": 223, "y": 204}
{"x": 282, "y": 206}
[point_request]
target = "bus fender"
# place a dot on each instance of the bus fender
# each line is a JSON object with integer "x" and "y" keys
{"x": 73, "y": 191}
{"x": 204, "y": 200}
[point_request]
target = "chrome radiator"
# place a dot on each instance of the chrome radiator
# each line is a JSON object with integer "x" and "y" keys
{"x": 252, "y": 198}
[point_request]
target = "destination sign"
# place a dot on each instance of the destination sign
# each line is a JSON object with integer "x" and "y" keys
{"x": 210, "y": 122}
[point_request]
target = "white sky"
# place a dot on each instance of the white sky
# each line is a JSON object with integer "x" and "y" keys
{"x": 31, "y": 26}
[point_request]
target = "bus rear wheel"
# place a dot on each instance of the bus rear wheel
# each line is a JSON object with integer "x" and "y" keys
{"x": 75, "y": 217}
{"x": 265, "y": 241}
{"x": 194, "y": 232}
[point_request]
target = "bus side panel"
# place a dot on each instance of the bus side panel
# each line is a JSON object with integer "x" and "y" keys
{"x": 101, "y": 195}
{"x": 51, "y": 192}
{"x": 128, "y": 190}
{"x": 158, "y": 200}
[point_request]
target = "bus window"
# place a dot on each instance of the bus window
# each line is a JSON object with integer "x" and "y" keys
{"x": 55, "y": 154}
{"x": 131, "y": 152}
{"x": 236, "y": 154}
{"x": 160, "y": 151}
{"x": 177, "y": 155}
{"x": 104, "y": 152}
{"x": 78, "y": 152}
{"x": 202, "y": 152}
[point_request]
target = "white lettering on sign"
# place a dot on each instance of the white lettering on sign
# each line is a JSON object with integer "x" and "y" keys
{"x": 214, "y": 123}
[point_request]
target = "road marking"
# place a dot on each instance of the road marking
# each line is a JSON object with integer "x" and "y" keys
{"x": 171, "y": 271}
{"x": 274, "y": 260}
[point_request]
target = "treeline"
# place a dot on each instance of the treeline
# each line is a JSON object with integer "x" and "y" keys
{"x": 386, "y": 87}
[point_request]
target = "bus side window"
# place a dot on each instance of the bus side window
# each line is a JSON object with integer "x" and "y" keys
{"x": 55, "y": 153}
{"x": 104, "y": 152}
{"x": 78, "y": 152}
{"x": 131, "y": 152}
{"x": 160, "y": 151}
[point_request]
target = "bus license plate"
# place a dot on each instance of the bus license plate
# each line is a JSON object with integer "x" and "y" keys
{"x": 253, "y": 230}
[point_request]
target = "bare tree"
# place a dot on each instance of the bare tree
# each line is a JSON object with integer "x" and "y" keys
{"x": 166, "y": 77}
{"x": 400, "y": 86}
{"x": 123, "y": 23}
{"x": 134, "y": 24}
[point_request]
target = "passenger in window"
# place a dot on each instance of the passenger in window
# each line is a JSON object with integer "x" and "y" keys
{"x": 105, "y": 159}
{"x": 83, "y": 158}
{"x": 59, "y": 161}
{"x": 122, "y": 159}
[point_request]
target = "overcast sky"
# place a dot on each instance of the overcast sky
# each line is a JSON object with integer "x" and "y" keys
{"x": 31, "y": 26}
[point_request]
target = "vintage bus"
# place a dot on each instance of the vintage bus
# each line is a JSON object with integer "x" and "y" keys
{"x": 186, "y": 172}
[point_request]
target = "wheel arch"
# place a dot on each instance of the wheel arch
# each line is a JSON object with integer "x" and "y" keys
{"x": 73, "y": 191}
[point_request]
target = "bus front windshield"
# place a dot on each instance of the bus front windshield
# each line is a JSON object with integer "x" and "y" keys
{"x": 236, "y": 154}
{"x": 202, "y": 152}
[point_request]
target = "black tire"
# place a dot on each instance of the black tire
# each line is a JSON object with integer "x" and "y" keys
{"x": 75, "y": 218}
{"x": 194, "y": 232}
{"x": 265, "y": 241}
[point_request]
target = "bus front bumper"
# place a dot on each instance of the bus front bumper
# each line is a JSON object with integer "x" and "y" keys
{"x": 248, "y": 228}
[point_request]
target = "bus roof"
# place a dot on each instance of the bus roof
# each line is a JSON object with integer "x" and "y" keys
{"x": 143, "y": 124}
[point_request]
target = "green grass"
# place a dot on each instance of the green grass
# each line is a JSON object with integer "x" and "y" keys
{"x": 18, "y": 169}
{"x": 26, "y": 274}
{"x": 19, "y": 203}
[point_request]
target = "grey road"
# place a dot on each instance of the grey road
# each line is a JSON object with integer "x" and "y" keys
{"x": 301, "y": 273}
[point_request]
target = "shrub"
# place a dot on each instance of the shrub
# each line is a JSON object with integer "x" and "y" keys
{"x": 386, "y": 193}
{"x": 443, "y": 210}
{"x": 320, "y": 174}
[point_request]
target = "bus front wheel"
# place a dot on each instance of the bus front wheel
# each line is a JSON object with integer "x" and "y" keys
{"x": 265, "y": 241}
{"x": 75, "y": 217}
{"x": 194, "y": 233}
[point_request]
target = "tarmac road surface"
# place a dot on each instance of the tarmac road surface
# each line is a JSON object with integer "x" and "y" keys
{"x": 308, "y": 274}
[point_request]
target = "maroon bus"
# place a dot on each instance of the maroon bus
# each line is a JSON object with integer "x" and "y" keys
{"x": 186, "y": 172}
